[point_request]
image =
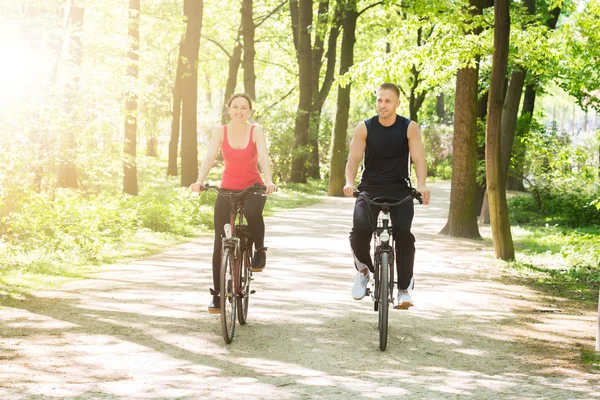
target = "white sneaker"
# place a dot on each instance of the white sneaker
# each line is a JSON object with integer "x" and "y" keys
{"x": 359, "y": 289}
{"x": 404, "y": 300}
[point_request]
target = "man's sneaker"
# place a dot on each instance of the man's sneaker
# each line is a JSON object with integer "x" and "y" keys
{"x": 215, "y": 306}
{"x": 259, "y": 260}
{"x": 359, "y": 289}
{"x": 404, "y": 300}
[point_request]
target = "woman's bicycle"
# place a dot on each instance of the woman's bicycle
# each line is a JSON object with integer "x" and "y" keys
{"x": 383, "y": 293}
{"x": 236, "y": 266}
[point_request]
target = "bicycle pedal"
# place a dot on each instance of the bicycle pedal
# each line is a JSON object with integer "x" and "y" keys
{"x": 252, "y": 291}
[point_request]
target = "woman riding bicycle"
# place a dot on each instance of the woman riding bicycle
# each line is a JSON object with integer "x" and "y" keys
{"x": 243, "y": 145}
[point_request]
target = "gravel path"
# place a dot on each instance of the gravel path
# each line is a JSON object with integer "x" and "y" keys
{"x": 141, "y": 330}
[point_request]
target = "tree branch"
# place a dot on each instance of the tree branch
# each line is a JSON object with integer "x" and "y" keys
{"x": 370, "y": 6}
{"x": 218, "y": 44}
{"x": 289, "y": 71}
{"x": 266, "y": 17}
{"x": 283, "y": 98}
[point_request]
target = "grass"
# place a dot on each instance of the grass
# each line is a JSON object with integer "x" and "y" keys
{"x": 23, "y": 271}
{"x": 562, "y": 261}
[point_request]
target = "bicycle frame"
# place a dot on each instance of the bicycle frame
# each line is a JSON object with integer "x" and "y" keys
{"x": 233, "y": 241}
{"x": 381, "y": 240}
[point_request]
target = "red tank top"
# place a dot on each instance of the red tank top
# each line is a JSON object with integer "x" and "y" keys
{"x": 241, "y": 168}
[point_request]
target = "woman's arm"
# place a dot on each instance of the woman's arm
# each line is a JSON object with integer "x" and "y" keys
{"x": 209, "y": 159}
{"x": 263, "y": 158}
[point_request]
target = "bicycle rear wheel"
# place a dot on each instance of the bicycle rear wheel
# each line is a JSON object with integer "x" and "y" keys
{"x": 244, "y": 299}
{"x": 228, "y": 302}
{"x": 383, "y": 299}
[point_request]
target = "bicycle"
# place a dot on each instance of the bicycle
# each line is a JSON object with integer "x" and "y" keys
{"x": 383, "y": 293}
{"x": 236, "y": 266}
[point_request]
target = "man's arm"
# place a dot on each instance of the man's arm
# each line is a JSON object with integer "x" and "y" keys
{"x": 355, "y": 155}
{"x": 417, "y": 153}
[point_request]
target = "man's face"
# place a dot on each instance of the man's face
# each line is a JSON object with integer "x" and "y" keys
{"x": 387, "y": 103}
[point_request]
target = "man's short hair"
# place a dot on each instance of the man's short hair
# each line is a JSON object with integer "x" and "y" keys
{"x": 389, "y": 86}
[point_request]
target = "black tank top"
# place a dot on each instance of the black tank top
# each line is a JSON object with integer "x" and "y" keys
{"x": 386, "y": 154}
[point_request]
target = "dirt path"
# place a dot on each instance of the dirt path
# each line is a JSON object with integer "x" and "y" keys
{"x": 141, "y": 330}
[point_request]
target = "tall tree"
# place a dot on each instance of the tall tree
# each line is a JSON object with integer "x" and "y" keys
{"x": 340, "y": 127}
{"x": 175, "y": 117}
{"x": 340, "y": 130}
{"x": 515, "y": 180}
{"x": 193, "y": 10}
{"x": 462, "y": 216}
{"x": 248, "y": 29}
{"x": 130, "y": 182}
{"x": 501, "y": 234}
{"x": 320, "y": 94}
{"x": 511, "y": 102}
{"x": 302, "y": 15}
{"x": 67, "y": 169}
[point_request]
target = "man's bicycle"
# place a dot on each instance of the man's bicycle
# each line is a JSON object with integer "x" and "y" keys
{"x": 383, "y": 260}
{"x": 236, "y": 266}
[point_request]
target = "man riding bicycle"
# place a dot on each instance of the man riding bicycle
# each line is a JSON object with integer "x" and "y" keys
{"x": 388, "y": 142}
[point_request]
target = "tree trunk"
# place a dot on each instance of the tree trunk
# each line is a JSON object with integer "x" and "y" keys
{"x": 440, "y": 108}
{"x": 598, "y": 329}
{"x": 482, "y": 205}
{"x": 462, "y": 216}
{"x": 313, "y": 169}
{"x": 248, "y": 30}
{"x": 510, "y": 113}
{"x": 234, "y": 66}
{"x": 464, "y": 206}
{"x": 189, "y": 92}
{"x": 67, "y": 169}
{"x": 340, "y": 130}
{"x": 516, "y": 182}
{"x": 130, "y": 183}
{"x": 176, "y": 116}
{"x": 303, "y": 8}
{"x": 152, "y": 147}
{"x": 501, "y": 234}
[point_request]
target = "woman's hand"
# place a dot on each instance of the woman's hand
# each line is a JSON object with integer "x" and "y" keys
{"x": 270, "y": 187}
{"x": 196, "y": 187}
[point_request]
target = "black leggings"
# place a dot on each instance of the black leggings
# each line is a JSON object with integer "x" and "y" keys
{"x": 363, "y": 225}
{"x": 253, "y": 208}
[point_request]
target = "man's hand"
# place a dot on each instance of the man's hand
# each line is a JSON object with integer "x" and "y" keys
{"x": 271, "y": 187}
{"x": 197, "y": 187}
{"x": 349, "y": 190}
{"x": 424, "y": 193}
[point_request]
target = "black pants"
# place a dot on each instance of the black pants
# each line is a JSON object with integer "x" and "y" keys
{"x": 363, "y": 224}
{"x": 253, "y": 208}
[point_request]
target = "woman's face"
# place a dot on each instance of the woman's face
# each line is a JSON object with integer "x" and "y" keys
{"x": 239, "y": 110}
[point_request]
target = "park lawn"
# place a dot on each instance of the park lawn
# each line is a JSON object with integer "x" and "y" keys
{"x": 562, "y": 261}
{"x": 24, "y": 269}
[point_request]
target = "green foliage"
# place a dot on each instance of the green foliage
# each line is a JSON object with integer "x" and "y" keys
{"x": 578, "y": 69}
{"x": 437, "y": 139}
{"x": 572, "y": 259}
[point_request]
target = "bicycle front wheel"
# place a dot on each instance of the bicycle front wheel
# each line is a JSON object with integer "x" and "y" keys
{"x": 245, "y": 277}
{"x": 228, "y": 302}
{"x": 382, "y": 299}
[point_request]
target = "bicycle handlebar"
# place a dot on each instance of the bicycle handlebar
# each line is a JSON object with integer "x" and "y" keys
{"x": 383, "y": 201}
{"x": 256, "y": 188}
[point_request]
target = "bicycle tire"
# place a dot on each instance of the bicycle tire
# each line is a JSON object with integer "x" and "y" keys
{"x": 245, "y": 275}
{"x": 383, "y": 300}
{"x": 228, "y": 302}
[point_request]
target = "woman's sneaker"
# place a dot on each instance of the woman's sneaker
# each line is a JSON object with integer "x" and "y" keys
{"x": 259, "y": 260}
{"x": 359, "y": 289}
{"x": 404, "y": 300}
{"x": 215, "y": 306}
